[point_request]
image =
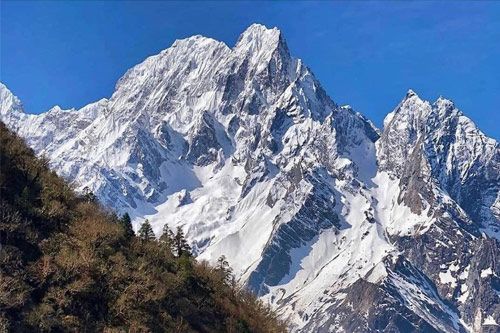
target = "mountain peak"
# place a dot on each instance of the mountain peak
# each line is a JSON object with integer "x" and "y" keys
{"x": 444, "y": 103}
{"x": 8, "y": 101}
{"x": 56, "y": 108}
{"x": 258, "y": 37}
{"x": 411, "y": 93}
{"x": 257, "y": 29}
{"x": 412, "y": 103}
{"x": 194, "y": 40}
{"x": 258, "y": 44}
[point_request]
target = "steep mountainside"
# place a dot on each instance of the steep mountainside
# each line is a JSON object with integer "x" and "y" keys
{"x": 335, "y": 223}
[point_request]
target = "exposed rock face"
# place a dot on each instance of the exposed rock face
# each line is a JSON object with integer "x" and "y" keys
{"x": 315, "y": 214}
{"x": 338, "y": 225}
{"x": 203, "y": 145}
{"x": 444, "y": 147}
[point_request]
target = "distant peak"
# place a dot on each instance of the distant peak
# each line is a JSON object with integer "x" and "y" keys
{"x": 442, "y": 101}
{"x": 258, "y": 44}
{"x": 259, "y": 34}
{"x": 56, "y": 108}
{"x": 412, "y": 97}
{"x": 4, "y": 90}
{"x": 261, "y": 28}
{"x": 8, "y": 101}
{"x": 194, "y": 40}
{"x": 411, "y": 104}
{"x": 410, "y": 93}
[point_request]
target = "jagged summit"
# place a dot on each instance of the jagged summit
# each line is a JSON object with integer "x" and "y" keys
{"x": 258, "y": 34}
{"x": 411, "y": 93}
{"x": 258, "y": 44}
{"x": 260, "y": 29}
{"x": 58, "y": 109}
{"x": 254, "y": 39}
{"x": 412, "y": 98}
{"x": 8, "y": 101}
{"x": 309, "y": 202}
{"x": 445, "y": 104}
{"x": 195, "y": 41}
{"x": 409, "y": 110}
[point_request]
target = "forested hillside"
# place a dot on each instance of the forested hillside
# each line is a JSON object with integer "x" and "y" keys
{"x": 68, "y": 264}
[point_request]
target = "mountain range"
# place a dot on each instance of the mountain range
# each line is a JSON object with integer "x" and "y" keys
{"x": 341, "y": 226}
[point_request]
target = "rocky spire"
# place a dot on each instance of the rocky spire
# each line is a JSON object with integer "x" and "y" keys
{"x": 9, "y": 103}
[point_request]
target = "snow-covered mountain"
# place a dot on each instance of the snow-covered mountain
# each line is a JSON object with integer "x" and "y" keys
{"x": 340, "y": 226}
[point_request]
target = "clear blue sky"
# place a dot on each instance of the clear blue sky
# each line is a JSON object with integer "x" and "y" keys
{"x": 366, "y": 54}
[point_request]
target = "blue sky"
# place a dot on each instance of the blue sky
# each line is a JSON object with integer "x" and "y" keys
{"x": 366, "y": 54}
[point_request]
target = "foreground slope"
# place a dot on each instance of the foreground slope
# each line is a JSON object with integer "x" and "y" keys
{"x": 338, "y": 225}
{"x": 67, "y": 265}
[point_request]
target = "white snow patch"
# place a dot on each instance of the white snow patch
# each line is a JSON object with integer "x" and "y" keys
{"x": 486, "y": 272}
{"x": 447, "y": 278}
{"x": 490, "y": 321}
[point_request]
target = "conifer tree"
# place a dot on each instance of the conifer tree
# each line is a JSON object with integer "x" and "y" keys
{"x": 167, "y": 238}
{"x": 126, "y": 224}
{"x": 25, "y": 196}
{"x": 180, "y": 244}
{"x": 146, "y": 232}
{"x": 224, "y": 269}
{"x": 88, "y": 195}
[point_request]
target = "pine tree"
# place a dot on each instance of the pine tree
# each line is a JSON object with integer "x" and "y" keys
{"x": 126, "y": 224}
{"x": 180, "y": 244}
{"x": 167, "y": 238}
{"x": 224, "y": 269}
{"x": 146, "y": 233}
{"x": 88, "y": 195}
{"x": 24, "y": 198}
